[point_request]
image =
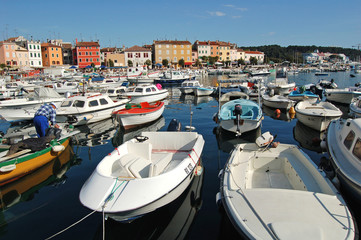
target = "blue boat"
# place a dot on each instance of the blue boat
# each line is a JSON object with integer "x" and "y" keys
{"x": 239, "y": 116}
{"x": 303, "y": 95}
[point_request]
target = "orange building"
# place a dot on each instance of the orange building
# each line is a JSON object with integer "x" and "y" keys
{"x": 52, "y": 54}
{"x": 86, "y": 53}
{"x": 173, "y": 51}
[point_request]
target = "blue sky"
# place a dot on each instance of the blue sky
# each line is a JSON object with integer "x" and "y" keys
{"x": 247, "y": 23}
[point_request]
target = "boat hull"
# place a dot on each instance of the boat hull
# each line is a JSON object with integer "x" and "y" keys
{"x": 29, "y": 163}
{"x": 130, "y": 120}
{"x": 344, "y": 97}
{"x": 147, "y": 98}
{"x": 244, "y": 125}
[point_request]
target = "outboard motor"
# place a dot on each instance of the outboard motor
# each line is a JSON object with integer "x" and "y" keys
{"x": 237, "y": 112}
{"x": 174, "y": 126}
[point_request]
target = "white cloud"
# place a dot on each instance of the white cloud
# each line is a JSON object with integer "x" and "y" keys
{"x": 237, "y": 8}
{"x": 217, "y": 13}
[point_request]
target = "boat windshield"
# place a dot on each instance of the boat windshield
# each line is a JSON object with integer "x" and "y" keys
{"x": 66, "y": 103}
{"x": 138, "y": 90}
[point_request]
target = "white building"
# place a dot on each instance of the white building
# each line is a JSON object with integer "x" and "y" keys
{"x": 138, "y": 55}
{"x": 256, "y": 54}
{"x": 203, "y": 48}
{"x": 34, "y": 51}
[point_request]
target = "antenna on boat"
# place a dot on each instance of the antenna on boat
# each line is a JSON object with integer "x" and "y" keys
{"x": 190, "y": 128}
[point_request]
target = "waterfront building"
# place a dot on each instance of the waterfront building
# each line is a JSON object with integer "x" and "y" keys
{"x": 52, "y": 54}
{"x": 13, "y": 55}
{"x": 256, "y": 54}
{"x": 241, "y": 54}
{"x": 67, "y": 49}
{"x": 202, "y": 48}
{"x": 86, "y": 53}
{"x": 195, "y": 56}
{"x": 137, "y": 55}
{"x": 173, "y": 51}
{"x": 34, "y": 51}
{"x": 214, "y": 48}
{"x": 320, "y": 57}
{"x": 113, "y": 54}
{"x": 224, "y": 51}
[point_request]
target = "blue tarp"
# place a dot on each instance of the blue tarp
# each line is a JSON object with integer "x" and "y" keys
{"x": 72, "y": 67}
{"x": 159, "y": 65}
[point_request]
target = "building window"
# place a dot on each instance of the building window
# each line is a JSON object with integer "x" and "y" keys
{"x": 175, "y": 51}
{"x": 30, "y": 47}
{"x": 86, "y": 53}
{"x": 39, "y": 63}
{"x": 31, "y": 54}
{"x": 32, "y": 63}
{"x": 90, "y": 53}
{"x": 145, "y": 55}
{"x": 160, "y": 51}
{"x": 130, "y": 55}
{"x": 53, "y": 62}
{"x": 182, "y": 51}
{"x": 52, "y": 54}
{"x": 160, "y": 59}
{"x": 79, "y": 60}
{"x": 87, "y": 60}
{"x": 79, "y": 53}
{"x": 175, "y": 59}
{"x": 57, "y": 55}
{"x": 189, "y": 51}
{"x": 46, "y": 55}
{"x": 97, "y": 59}
{"x": 167, "y": 46}
{"x": 167, "y": 52}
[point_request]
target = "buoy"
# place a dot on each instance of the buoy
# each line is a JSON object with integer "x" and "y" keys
{"x": 277, "y": 111}
{"x": 292, "y": 115}
{"x": 323, "y": 145}
{"x": 292, "y": 110}
{"x": 190, "y": 128}
{"x": 198, "y": 170}
{"x": 58, "y": 148}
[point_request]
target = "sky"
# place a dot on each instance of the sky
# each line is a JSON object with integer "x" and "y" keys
{"x": 128, "y": 23}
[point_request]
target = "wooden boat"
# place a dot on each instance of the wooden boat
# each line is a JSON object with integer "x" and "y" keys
{"x": 26, "y": 187}
{"x": 239, "y": 116}
{"x": 21, "y": 163}
{"x": 88, "y": 108}
{"x": 344, "y": 148}
{"x": 317, "y": 115}
{"x": 143, "y": 174}
{"x": 146, "y": 93}
{"x": 279, "y": 193}
{"x": 139, "y": 114}
{"x": 277, "y": 101}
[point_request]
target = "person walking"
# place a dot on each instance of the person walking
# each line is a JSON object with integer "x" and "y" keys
{"x": 45, "y": 114}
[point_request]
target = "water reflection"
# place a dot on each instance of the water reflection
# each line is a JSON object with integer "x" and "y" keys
{"x": 171, "y": 221}
{"x": 228, "y": 140}
{"x": 195, "y": 100}
{"x": 95, "y": 134}
{"x": 26, "y": 188}
{"x": 307, "y": 137}
{"x": 282, "y": 115}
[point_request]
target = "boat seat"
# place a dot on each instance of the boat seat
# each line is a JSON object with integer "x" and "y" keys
{"x": 160, "y": 161}
{"x": 140, "y": 168}
{"x": 141, "y": 149}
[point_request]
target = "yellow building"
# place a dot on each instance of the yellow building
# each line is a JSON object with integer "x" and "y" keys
{"x": 52, "y": 54}
{"x": 173, "y": 51}
{"x": 224, "y": 51}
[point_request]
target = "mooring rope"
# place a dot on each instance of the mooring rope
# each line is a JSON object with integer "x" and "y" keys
{"x": 107, "y": 199}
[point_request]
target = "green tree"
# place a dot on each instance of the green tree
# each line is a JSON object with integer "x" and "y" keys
{"x": 148, "y": 62}
{"x": 2, "y": 66}
{"x": 204, "y": 58}
{"x": 212, "y": 60}
{"x": 228, "y": 63}
{"x": 181, "y": 62}
{"x": 110, "y": 63}
{"x": 253, "y": 60}
{"x": 241, "y": 62}
{"x": 130, "y": 63}
{"x": 165, "y": 62}
{"x": 92, "y": 64}
{"x": 197, "y": 63}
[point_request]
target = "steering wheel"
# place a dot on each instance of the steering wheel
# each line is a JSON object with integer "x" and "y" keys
{"x": 141, "y": 138}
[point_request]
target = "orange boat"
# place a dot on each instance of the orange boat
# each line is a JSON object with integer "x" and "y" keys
{"x": 139, "y": 114}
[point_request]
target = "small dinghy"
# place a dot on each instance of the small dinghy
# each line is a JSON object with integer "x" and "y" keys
{"x": 143, "y": 174}
{"x": 138, "y": 114}
{"x": 278, "y": 193}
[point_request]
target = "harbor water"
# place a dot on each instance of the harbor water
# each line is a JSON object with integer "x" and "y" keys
{"x": 46, "y": 202}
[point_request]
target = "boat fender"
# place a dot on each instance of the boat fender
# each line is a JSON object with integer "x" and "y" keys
{"x": 218, "y": 199}
{"x": 292, "y": 110}
{"x": 58, "y": 148}
{"x": 220, "y": 173}
{"x": 8, "y": 168}
{"x": 323, "y": 145}
{"x": 198, "y": 170}
{"x": 87, "y": 117}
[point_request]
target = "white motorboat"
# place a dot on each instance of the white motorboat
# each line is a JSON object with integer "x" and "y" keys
{"x": 355, "y": 108}
{"x": 173, "y": 77}
{"x": 344, "y": 95}
{"x": 67, "y": 87}
{"x": 143, "y": 174}
{"x": 40, "y": 96}
{"x": 317, "y": 115}
{"x": 344, "y": 147}
{"x": 114, "y": 92}
{"x": 146, "y": 93}
{"x": 88, "y": 108}
{"x": 188, "y": 85}
{"x": 277, "y": 101}
{"x": 281, "y": 85}
{"x": 239, "y": 116}
{"x": 278, "y": 193}
{"x": 203, "y": 91}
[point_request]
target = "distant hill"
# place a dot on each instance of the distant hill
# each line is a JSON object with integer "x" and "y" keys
{"x": 279, "y": 54}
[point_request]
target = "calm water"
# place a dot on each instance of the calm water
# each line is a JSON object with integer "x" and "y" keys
{"x": 46, "y": 202}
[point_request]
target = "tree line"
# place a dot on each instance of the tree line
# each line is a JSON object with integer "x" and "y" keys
{"x": 278, "y": 54}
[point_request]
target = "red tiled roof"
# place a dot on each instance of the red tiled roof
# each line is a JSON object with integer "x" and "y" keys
{"x": 66, "y": 45}
{"x": 173, "y": 42}
{"x": 49, "y": 45}
{"x": 136, "y": 49}
{"x": 253, "y": 52}
{"x": 12, "y": 39}
{"x": 112, "y": 49}
{"x": 87, "y": 44}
